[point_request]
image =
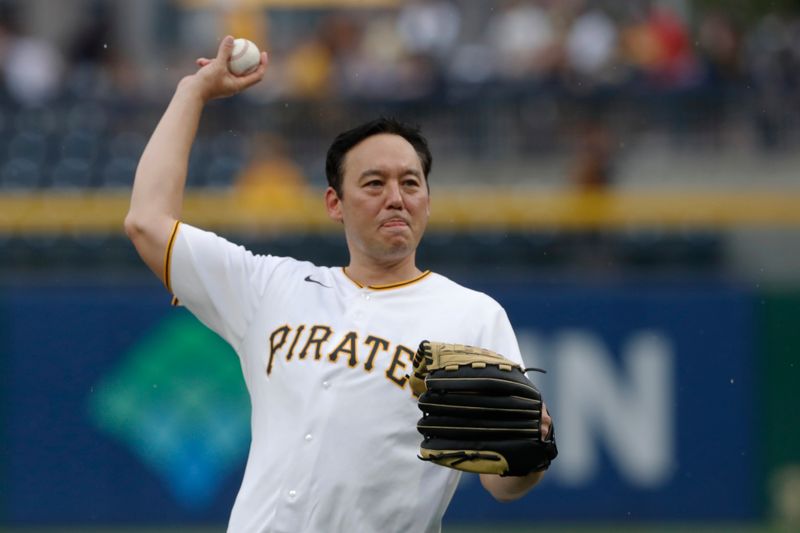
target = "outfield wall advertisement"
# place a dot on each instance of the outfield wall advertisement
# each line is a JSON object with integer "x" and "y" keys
{"x": 120, "y": 409}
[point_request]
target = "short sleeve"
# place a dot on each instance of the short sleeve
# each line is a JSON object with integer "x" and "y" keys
{"x": 498, "y": 335}
{"x": 221, "y": 283}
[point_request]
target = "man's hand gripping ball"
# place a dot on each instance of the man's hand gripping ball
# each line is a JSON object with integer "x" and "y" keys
{"x": 480, "y": 412}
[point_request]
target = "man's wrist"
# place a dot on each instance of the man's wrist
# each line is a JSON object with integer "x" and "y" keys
{"x": 190, "y": 89}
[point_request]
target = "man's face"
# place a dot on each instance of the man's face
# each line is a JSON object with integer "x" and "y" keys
{"x": 385, "y": 203}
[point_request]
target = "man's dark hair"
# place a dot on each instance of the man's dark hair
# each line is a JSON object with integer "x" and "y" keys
{"x": 345, "y": 141}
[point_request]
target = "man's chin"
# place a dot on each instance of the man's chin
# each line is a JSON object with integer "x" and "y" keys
{"x": 398, "y": 247}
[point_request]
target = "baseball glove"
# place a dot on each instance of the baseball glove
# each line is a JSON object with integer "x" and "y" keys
{"x": 480, "y": 412}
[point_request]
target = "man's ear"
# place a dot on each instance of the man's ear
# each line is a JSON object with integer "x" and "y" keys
{"x": 333, "y": 204}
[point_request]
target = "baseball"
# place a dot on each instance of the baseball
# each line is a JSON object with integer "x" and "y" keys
{"x": 245, "y": 57}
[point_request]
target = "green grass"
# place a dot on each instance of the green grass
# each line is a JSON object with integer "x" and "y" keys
{"x": 489, "y": 528}
{"x": 623, "y": 528}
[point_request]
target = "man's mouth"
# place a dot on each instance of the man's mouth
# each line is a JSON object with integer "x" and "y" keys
{"x": 394, "y": 223}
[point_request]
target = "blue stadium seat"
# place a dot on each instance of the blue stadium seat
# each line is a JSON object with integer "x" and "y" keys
{"x": 86, "y": 116}
{"x": 199, "y": 159}
{"x": 36, "y": 120}
{"x": 222, "y": 172}
{"x": 5, "y": 120}
{"x": 29, "y": 145}
{"x": 127, "y": 144}
{"x": 20, "y": 174}
{"x": 229, "y": 145}
{"x": 80, "y": 145}
{"x": 119, "y": 172}
{"x": 72, "y": 173}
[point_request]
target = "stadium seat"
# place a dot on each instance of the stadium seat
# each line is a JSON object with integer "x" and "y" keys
{"x": 20, "y": 174}
{"x": 28, "y": 145}
{"x": 71, "y": 173}
{"x": 86, "y": 116}
{"x": 222, "y": 171}
{"x": 80, "y": 145}
{"x": 119, "y": 172}
{"x": 199, "y": 160}
{"x": 229, "y": 145}
{"x": 36, "y": 120}
{"x": 127, "y": 144}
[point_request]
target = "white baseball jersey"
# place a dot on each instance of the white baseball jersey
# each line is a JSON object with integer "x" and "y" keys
{"x": 334, "y": 440}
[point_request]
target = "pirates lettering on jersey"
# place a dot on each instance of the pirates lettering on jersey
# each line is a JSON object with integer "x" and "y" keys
{"x": 284, "y": 339}
{"x": 297, "y": 333}
{"x": 276, "y": 340}
{"x": 391, "y": 372}
{"x": 347, "y": 346}
{"x": 317, "y": 335}
{"x": 377, "y": 344}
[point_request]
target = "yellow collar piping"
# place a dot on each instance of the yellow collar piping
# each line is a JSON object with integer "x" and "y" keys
{"x": 388, "y": 285}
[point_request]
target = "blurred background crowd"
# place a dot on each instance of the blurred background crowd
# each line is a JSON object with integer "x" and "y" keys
{"x": 589, "y": 92}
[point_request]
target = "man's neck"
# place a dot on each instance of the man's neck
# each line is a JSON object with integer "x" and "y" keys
{"x": 372, "y": 274}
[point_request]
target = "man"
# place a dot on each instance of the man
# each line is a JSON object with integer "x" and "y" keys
{"x": 324, "y": 351}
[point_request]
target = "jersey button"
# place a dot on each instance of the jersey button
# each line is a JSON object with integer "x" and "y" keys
{"x": 292, "y": 494}
{"x": 326, "y": 384}
{"x": 308, "y": 437}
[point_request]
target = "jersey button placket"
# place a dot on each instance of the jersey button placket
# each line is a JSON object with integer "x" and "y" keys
{"x": 358, "y": 310}
{"x": 367, "y": 297}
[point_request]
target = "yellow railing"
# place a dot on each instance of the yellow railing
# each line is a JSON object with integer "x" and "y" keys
{"x": 461, "y": 209}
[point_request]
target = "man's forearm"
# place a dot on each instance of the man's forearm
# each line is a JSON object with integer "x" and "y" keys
{"x": 506, "y": 489}
{"x": 157, "y": 195}
{"x": 161, "y": 174}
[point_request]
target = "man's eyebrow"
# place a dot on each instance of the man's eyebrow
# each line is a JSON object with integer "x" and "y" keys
{"x": 373, "y": 172}
{"x": 382, "y": 173}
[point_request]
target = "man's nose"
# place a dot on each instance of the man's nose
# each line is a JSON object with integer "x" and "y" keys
{"x": 394, "y": 196}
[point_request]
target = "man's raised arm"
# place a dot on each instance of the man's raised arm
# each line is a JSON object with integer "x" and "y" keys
{"x": 158, "y": 187}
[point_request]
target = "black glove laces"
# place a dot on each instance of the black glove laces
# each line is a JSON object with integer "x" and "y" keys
{"x": 462, "y": 456}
